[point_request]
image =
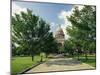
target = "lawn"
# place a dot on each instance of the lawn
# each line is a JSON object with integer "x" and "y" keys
{"x": 91, "y": 60}
{"x": 19, "y": 64}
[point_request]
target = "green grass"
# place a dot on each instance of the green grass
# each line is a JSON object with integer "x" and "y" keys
{"x": 19, "y": 64}
{"x": 91, "y": 60}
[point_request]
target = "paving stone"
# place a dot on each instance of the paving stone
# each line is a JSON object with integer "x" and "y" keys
{"x": 60, "y": 64}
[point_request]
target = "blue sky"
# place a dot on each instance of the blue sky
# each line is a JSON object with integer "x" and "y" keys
{"x": 48, "y": 11}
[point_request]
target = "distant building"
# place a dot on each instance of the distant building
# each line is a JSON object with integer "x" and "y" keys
{"x": 60, "y": 37}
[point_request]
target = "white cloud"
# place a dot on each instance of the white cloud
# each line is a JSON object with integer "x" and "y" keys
{"x": 63, "y": 16}
{"x": 17, "y": 9}
{"x": 53, "y": 26}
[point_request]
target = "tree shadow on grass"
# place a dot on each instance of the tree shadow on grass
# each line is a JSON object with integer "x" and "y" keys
{"x": 91, "y": 61}
{"x": 70, "y": 62}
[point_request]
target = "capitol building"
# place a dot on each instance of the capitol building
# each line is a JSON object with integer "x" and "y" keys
{"x": 60, "y": 38}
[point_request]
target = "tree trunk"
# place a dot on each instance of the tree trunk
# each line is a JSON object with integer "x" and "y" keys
{"x": 41, "y": 59}
{"x": 71, "y": 53}
{"x": 78, "y": 54}
{"x": 86, "y": 56}
{"x": 32, "y": 58}
{"x": 46, "y": 55}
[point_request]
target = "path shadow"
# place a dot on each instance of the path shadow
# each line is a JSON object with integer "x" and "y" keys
{"x": 70, "y": 62}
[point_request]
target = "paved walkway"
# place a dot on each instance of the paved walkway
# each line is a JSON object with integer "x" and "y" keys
{"x": 60, "y": 64}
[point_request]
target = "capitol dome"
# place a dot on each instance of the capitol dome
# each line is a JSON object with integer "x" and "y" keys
{"x": 59, "y": 32}
{"x": 60, "y": 38}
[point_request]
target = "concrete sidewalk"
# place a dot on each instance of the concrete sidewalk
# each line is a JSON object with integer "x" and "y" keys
{"x": 60, "y": 64}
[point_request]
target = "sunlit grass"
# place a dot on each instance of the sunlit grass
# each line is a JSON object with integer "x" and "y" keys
{"x": 91, "y": 59}
{"x": 19, "y": 64}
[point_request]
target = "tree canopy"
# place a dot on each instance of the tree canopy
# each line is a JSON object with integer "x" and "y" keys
{"x": 31, "y": 34}
{"x": 83, "y": 28}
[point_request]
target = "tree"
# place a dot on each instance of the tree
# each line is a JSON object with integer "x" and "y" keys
{"x": 50, "y": 44}
{"x": 69, "y": 47}
{"x": 28, "y": 31}
{"x": 13, "y": 49}
{"x": 83, "y": 28}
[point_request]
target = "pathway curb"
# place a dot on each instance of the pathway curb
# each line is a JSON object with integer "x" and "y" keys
{"x": 22, "y": 72}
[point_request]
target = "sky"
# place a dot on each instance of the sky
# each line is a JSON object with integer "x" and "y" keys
{"x": 53, "y": 13}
